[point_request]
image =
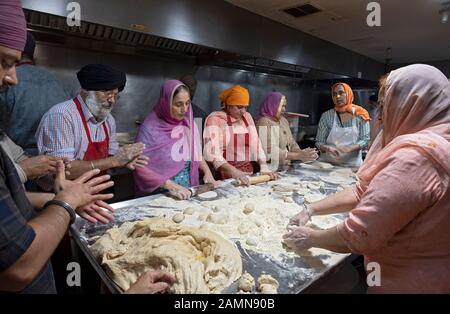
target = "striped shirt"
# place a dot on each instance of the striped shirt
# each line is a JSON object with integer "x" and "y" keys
{"x": 61, "y": 132}
{"x": 326, "y": 123}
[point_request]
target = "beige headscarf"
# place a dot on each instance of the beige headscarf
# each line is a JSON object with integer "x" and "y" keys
{"x": 416, "y": 114}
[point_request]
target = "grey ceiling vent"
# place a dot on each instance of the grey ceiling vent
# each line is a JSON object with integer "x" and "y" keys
{"x": 302, "y": 10}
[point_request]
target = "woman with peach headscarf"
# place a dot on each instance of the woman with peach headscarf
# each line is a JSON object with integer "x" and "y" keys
{"x": 343, "y": 131}
{"x": 400, "y": 207}
{"x": 231, "y": 139}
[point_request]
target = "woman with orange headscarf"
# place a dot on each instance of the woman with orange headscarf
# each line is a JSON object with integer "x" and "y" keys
{"x": 344, "y": 130}
{"x": 400, "y": 207}
{"x": 231, "y": 139}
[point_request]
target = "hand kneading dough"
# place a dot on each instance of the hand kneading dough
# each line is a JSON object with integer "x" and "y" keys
{"x": 248, "y": 208}
{"x": 267, "y": 284}
{"x": 246, "y": 282}
{"x": 201, "y": 260}
{"x": 178, "y": 218}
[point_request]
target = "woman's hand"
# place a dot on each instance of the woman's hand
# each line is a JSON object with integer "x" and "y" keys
{"x": 271, "y": 174}
{"x": 82, "y": 191}
{"x": 208, "y": 178}
{"x": 348, "y": 149}
{"x": 242, "y": 177}
{"x": 332, "y": 150}
{"x": 298, "y": 239}
{"x": 307, "y": 155}
{"x": 301, "y": 218}
{"x": 177, "y": 190}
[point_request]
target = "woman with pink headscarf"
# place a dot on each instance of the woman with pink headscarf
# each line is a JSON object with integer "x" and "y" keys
{"x": 272, "y": 125}
{"x": 400, "y": 207}
{"x": 173, "y": 145}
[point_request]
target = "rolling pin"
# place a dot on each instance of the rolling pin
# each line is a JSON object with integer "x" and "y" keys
{"x": 199, "y": 189}
{"x": 259, "y": 179}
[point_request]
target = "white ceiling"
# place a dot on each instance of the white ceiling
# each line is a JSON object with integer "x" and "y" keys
{"x": 411, "y": 28}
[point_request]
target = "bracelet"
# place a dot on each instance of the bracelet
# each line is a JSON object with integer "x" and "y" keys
{"x": 308, "y": 210}
{"x": 92, "y": 165}
{"x": 64, "y": 205}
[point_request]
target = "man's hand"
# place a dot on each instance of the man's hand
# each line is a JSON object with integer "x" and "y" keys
{"x": 95, "y": 212}
{"x": 35, "y": 167}
{"x": 82, "y": 191}
{"x": 128, "y": 153}
{"x": 152, "y": 282}
{"x": 138, "y": 162}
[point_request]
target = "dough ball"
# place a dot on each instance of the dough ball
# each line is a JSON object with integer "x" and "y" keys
{"x": 267, "y": 284}
{"x": 202, "y": 217}
{"x": 189, "y": 211}
{"x": 217, "y": 218}
{"x": 178, "y": 218}
{"x": 248, "y": 208}
{"x": 268, "y": 289}
{"x": 243, "y": 228}
{"x": 258, "y": 221}
{"x": 246, "y": 283}
{"x": 251, "y": 242}
{"x": 288, "y": 199}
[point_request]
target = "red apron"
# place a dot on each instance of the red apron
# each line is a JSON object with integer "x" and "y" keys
{"x": 95, "y": 150}
{"x": 244, "y": 166}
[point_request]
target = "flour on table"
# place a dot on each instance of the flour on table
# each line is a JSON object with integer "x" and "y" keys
{"x": 314, "y": 197}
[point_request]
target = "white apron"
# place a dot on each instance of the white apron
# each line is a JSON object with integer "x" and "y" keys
{"x": 343, "y": 137}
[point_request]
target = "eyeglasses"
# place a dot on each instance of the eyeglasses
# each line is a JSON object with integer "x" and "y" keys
{"x": 110, "y": 94}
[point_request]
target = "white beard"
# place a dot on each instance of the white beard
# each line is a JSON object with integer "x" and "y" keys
{"x": 97, "y": 108}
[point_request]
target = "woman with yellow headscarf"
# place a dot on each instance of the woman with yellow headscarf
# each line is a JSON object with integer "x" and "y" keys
{"x": 343, "y": 131}
{"x": 231, "y": 139}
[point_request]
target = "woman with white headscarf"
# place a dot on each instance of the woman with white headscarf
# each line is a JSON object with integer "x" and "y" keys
{"x": 400, "y": 207}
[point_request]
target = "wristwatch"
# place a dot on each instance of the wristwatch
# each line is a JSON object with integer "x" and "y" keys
{"x": 64, "y": 205}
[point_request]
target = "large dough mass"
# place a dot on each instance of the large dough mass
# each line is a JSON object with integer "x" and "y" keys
{"x": 201, "y": 260}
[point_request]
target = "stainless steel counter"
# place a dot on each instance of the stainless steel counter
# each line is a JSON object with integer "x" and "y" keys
{"x": 294, "y": 273}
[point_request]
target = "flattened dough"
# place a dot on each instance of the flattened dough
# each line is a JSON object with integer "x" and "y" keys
{"x": 201, "y": 260}
{"x": 209, "y": 194}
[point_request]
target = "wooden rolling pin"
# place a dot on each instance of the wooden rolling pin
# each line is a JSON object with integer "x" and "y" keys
{"x": 259, "y": 179}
